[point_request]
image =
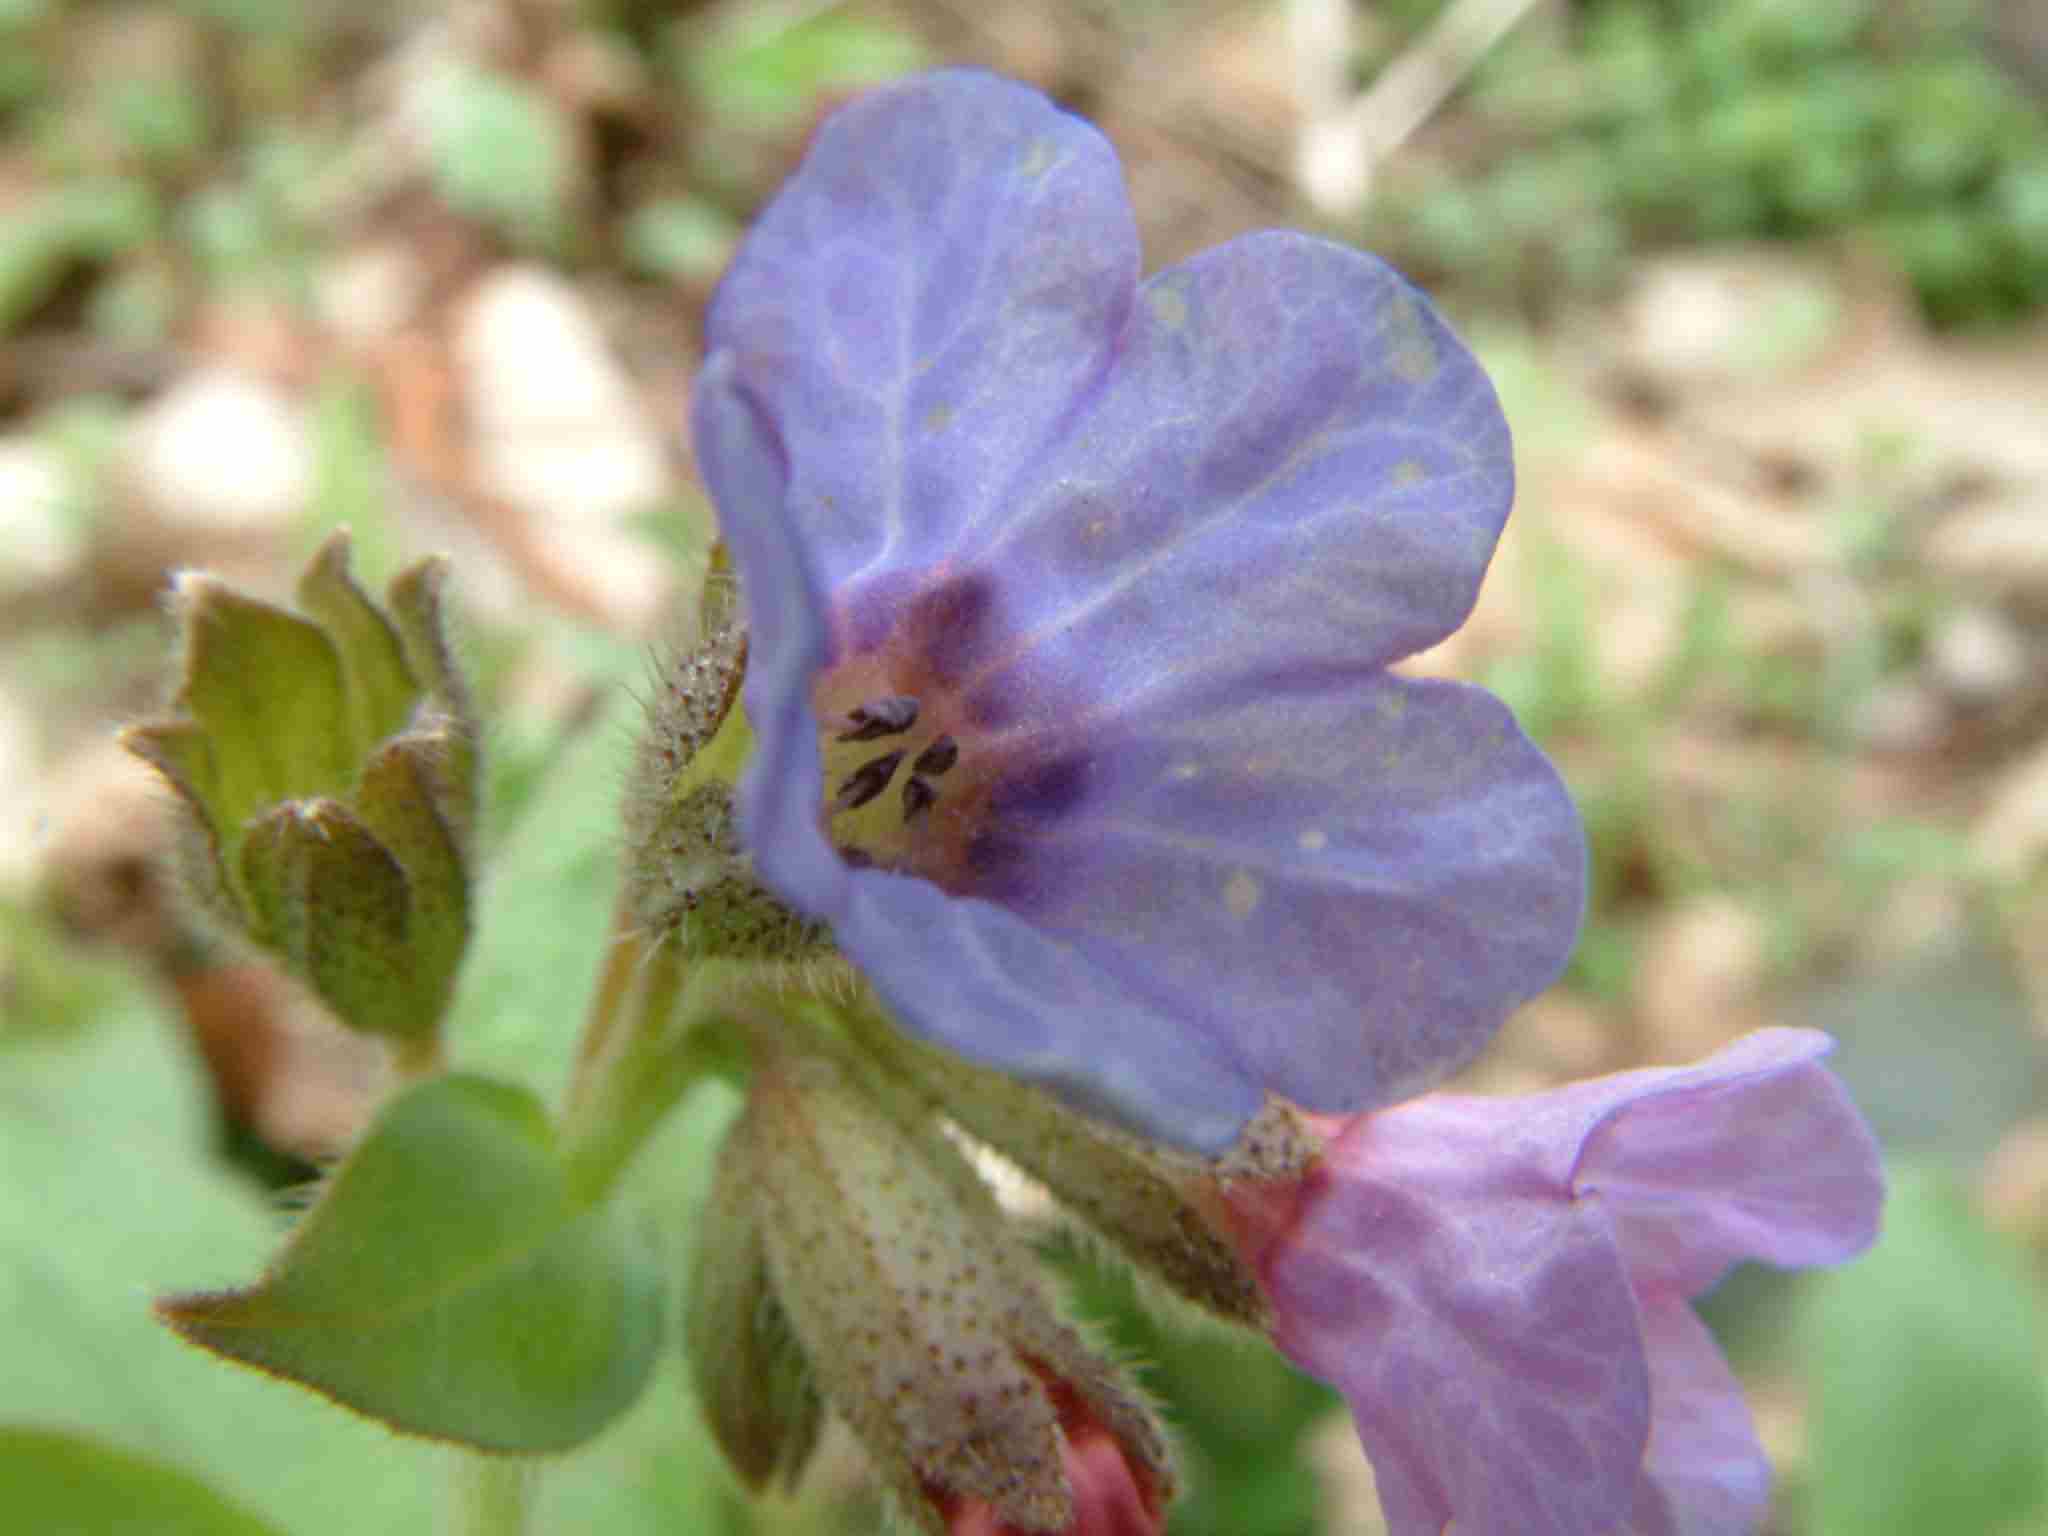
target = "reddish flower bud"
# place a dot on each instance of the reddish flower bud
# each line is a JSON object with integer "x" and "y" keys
{"x": 924, "y": 1321}
{"x": 1112, "y": 1497}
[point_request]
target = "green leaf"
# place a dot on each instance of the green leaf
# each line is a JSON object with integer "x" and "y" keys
{"x": 678, "y": 237}
{"x": 657, "y": 1470}
{"x": 59, "y": 1481}
{"x": 108, "y": 1193}
{"x": 1932, "y": 1406}
{"x": 446, "y": 1284}
{"x": 335, "y": 904}
{"x": 499, "y": 151}
{"x": 266, "y": 688}
{"x": 399, "y": 801}
{"x": 380, "y": 687}
{"x": 763, "y": 72}
{"x": 415, "y": 601}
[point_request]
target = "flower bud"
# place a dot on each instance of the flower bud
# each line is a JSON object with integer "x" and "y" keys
{"x": 327, "y": 763}
{"x": 749, "y": 1371}
{"x": 922, "y": 1316}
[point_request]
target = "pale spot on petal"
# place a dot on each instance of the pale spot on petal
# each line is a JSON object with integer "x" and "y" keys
{"x": 1314, "y": 840}
{"x": 1411, "y": 351}
{"x": 1169, "y": 305}
{"x": 1241, "y": 894}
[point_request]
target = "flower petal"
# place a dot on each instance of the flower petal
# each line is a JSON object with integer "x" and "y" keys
{"x": 741, "y": 459}
{"x": 976, "y": 979}
{"x": 1704, "y": 1473}
{"x": 1344, "y": 888}
{"x": 1293, "y": 467}
{"x": 920, "y": 306}
{"x": 1755, "y": 1153}
{"x": 1482, "y": 1329}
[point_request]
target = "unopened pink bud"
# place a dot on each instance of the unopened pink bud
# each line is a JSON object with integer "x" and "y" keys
{"x": 925, "y": 1324}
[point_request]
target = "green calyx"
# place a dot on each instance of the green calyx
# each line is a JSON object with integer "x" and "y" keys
{"x": 686, "y": 873}
{"x": 1143, "y": 1202}
{"x": 748, "y": 1368}
{"x": 327, "y": 762}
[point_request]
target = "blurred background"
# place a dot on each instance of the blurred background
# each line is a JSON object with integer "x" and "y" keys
{"x": 1764, "y": 284}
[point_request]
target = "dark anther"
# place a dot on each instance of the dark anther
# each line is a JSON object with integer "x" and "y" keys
{"x": 938, "y": 757}
{"x": 918, "y": 797}
{"x": 866, "y": 782}
{"x": 881, "y": 717}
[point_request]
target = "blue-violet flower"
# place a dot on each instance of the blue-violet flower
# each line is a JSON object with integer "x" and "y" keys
{"x": 1501, "y": 1287}
{"x": 1071, "y": 600}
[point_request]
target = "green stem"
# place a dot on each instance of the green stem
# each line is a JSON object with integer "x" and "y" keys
{"x": 622, "y": 961}
{"x": 663, "y": 1034}
{"x": 492, "y": 1495}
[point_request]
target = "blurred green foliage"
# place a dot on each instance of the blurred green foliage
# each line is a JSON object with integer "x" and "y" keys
{"x": 1932, "y": 1410}
{"x": 499, "y": 150}
{"x": 1639, "y": 123}
{"x": 72, "y": 1482}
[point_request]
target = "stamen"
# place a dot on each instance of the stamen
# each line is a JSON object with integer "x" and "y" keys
{"x": 938, "y": 757}
{"x": 889, "y": 716}
{"x": 918, "y": 797}
{"x": 866, "y": 782}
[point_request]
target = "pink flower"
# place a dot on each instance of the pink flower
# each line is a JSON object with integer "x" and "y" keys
{"x": 1499, "y": 1287}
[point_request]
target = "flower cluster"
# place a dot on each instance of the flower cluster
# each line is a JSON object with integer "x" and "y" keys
{"x": 1057, "y": 697}
{"x": 1070, "y": 603}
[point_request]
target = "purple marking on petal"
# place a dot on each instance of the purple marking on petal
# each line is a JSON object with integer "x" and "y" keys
{"x": 1045, "y": 790}
{"x": 946, "y": 630}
